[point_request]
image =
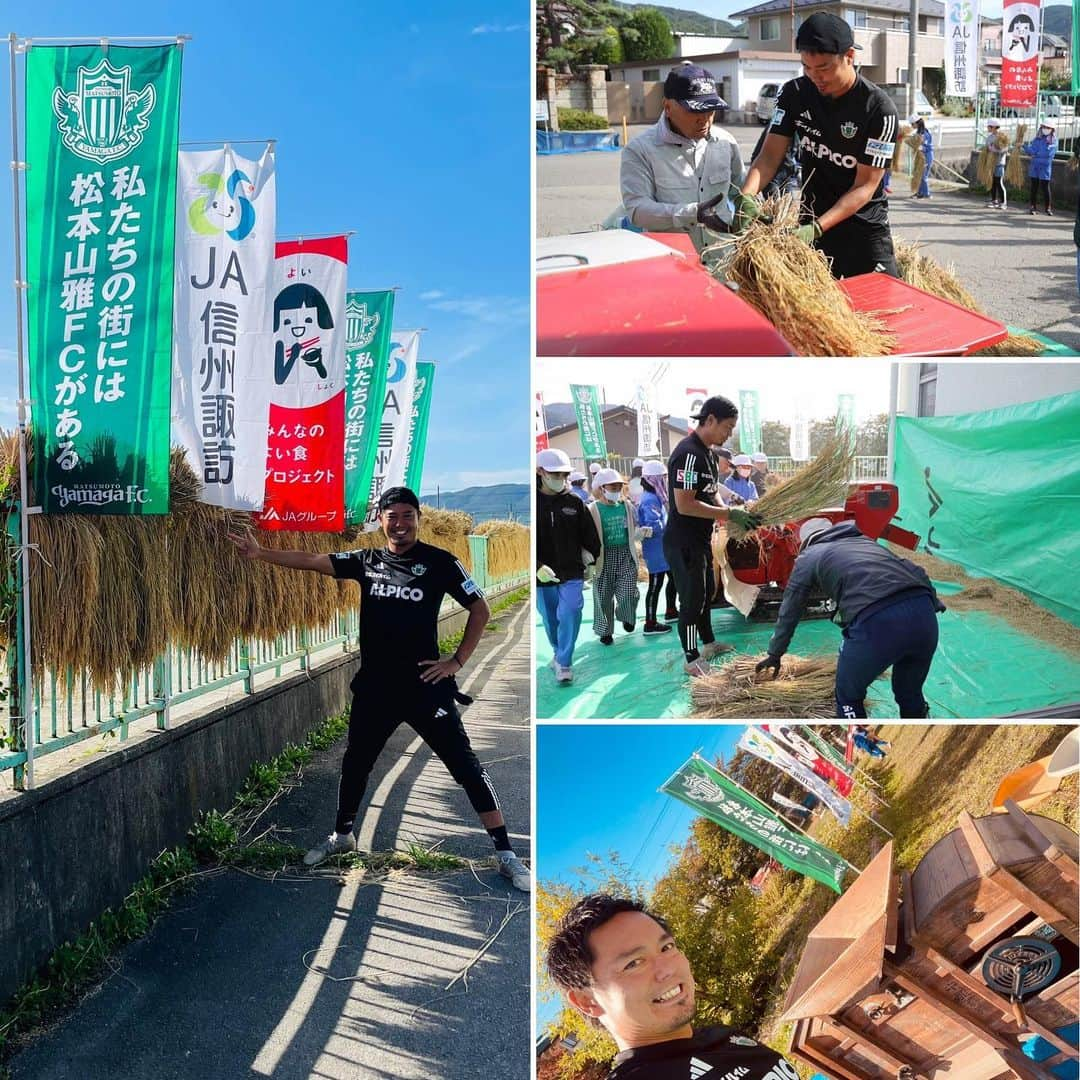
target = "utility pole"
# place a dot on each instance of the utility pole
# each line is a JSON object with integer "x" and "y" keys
{"x": 913, "y": 56}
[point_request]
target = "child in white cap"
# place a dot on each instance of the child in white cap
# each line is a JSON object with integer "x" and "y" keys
{"x": 740, "y": 481}
{"x": 615, "y": 584}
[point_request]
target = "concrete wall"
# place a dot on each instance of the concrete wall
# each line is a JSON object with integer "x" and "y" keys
{"x": 77, "y": 844}
{"x": 964, "y": 388}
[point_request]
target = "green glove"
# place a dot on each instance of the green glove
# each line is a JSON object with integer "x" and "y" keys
{"x": 747, "y": 211}
{"x": 745, "y": 519}
{"x": 808, "y": 233}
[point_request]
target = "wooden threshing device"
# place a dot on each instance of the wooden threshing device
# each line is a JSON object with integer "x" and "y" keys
{"x": 942, "y": 973}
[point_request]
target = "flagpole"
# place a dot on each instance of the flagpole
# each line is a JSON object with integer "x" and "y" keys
{"x": 27, "y": 695}
{"x": 732, "y": 780}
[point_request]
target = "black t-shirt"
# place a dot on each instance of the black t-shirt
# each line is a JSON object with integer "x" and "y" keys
{"x": 691, "y": 467}
{"x": 833, "y": 137}
{"x": 713, "y": 1054}
{"x": 400, "y": 600}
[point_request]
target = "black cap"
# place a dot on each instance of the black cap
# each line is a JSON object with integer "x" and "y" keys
{"x": 693, "y": 88}
{"x": 717, "y": 406}
{"x": 722, "y": 451}
{"x": 397, "y": 495}
{"x": 825, "y": 33}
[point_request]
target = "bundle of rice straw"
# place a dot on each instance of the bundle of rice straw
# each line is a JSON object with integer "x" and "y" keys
{"x": 921, "y": 271}
{"x": 898, "y": 152}
{"x": 804, "y": 689}
{"x": 1015, "y": 172}
{"x": 508, "y": 547}
{"x": 789, "y": 283}
{"x": 984, "y": 169}
{"x": 818, "y": 484}
{"x": 918, "y": 163}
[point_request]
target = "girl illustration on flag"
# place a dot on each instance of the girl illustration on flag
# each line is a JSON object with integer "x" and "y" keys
{"x": 299, "y": 312}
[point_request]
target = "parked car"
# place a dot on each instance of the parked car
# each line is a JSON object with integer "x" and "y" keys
{"x": 766, "y": 101}
{"x": 898, "y": 93}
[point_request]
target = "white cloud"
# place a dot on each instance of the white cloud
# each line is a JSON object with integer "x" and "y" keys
{"x": 496, "y": 28}
{"x": 432, "y": 294}
{"x": 495, "y": 310}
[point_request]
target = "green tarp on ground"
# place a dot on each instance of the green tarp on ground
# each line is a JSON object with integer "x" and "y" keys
{"x": 998, "y": 493}
{"x": 983, "y": 668}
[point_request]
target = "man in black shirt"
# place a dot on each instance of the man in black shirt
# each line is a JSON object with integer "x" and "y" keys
{"x": 844, "y": 129}
{"x": 619, "y": 966}
{"x": 694, "y": 505}
{"x": 402, "y": 678}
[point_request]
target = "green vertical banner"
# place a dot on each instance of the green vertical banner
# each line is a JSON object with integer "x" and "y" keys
{"x": 590, "y": 421}
{"x": 827, "y": 750}
{"x": 1075, "y": 51}
{"x": 723, "y": 802}
{"x": 845, "y": 415}
{"x": 369, "y": 318}
{"x": 749, "y": 422}
{"x": 101, "y": 134}
{"x": 414, "y": 463}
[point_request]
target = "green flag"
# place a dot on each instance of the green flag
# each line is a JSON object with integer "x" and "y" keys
{"x": 749, "y": 422}
{"x": 723, "y": 802}
{"x": 590, "y": 421}
{"x": 101, "y": 133}
{"x": 414, "y": 461}
{"x": 369, "y": 318}
{"x": 1075, "y": 52}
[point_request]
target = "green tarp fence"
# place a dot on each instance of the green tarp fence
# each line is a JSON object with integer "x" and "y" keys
{"x": 998, "y": 493}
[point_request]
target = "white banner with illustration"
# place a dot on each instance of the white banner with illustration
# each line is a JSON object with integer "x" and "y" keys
{"x": 223, "y": 378}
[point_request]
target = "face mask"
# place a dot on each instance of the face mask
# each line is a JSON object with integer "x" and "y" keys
{"x": 554, "y": 482}
{"x": 1044, "y": 131}
{"x": 612, "y": 496}
{"x": 744, "y": 471}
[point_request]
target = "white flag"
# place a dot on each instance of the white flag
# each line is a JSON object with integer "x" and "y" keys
{"x": 392, "y": 455}
{"x": 222, "y": 316}
{"x": 961, "y": 47}
{"x": 647, "y": 421}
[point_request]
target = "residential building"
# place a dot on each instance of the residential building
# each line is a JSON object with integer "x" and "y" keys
{"x": 989, "y": 53}
{"x": 689, "y": 45}
{"x": 948, "y": 389}
{"x": 880, "y": 28}
{"x": 620, "y": 432}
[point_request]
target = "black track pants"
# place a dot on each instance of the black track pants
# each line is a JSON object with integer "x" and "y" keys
{"x": 375, "y": 716}
{"x": 692, "y": 571}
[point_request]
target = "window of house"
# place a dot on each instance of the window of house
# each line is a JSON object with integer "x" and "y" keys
{"x": 927, "y": 389}
{"x": 770, "y": 29}
{"x": 860, "y": 19}
{"x": 901, "y": 75}
{"x": 651, "y": 74}
{"x": 901, "y": 22}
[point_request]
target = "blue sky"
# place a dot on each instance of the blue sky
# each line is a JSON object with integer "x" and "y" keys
{"x": 722, "y": 9}
{"x": 410, "y": 124}
{"x": 597, "y": 792}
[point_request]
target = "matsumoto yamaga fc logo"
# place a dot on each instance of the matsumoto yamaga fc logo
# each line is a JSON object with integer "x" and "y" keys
{"x": 103, "y": 119}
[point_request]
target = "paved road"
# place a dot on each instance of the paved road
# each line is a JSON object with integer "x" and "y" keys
{"x": 1021, "y": 269}
{"x": 219, "y": 988}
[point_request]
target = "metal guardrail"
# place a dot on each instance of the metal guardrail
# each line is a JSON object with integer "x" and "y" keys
{"x": 1060, "y": 106}
{"x": 867, "y": 467}
{"x": 68, "y": 710}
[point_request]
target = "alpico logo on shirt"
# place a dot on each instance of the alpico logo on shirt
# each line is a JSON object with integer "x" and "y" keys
{"x": 397, "y": 592}
{"x": 819, "y": 150}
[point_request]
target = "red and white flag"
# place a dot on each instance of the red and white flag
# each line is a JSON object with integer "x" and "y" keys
{"x": 305, "y": 463}
{"x": 1021, "y": 50}
{"x": 539, "y": 426}
{"x": 808, "y": 754}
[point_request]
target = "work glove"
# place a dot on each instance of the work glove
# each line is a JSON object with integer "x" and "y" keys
{"x": 770, "y": 661}
{"x": 707, "y": 215}
{"x": 808, "y": 233}
{"x": 745, "y": 520}
{"x": 747, "y": 211}
{"x": 546, "y": 576}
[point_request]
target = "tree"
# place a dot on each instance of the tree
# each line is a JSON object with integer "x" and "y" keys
{"x": 567, "y": 30}
{"x": 607, "y": 47}
{"x": 872, "y": 439}
{"x": 646, "y": 35}
{"x": 775, "y": 438}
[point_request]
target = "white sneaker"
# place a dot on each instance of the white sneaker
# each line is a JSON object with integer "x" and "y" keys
{"x": 696, "y": 668}
{"x": 334, "y": 844}
{"x": 513, "y": 868}
{"x": 715, "y": 648}
{"x": 563, "y": 675}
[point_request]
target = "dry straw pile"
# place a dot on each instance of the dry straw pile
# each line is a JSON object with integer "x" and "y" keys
{"x": 918, "y": 163}
{"x": 1015, "y": 171}
{"x": 898, "y": 153}
{"x": 921, "y": 271}
{"x": 508, "y": 547}
{"x": 108, "y": 594}
{"x": 803, "y": 690}
{"x": 789, "y": 283}
{"x": 820, "y": 483}
{"x": 984, "y": 169}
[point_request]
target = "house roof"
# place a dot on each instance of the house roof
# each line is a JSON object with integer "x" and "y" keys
{"x": 1053, "y": 39}
{"x": 560, "y": 416}
{"x": 705, "y": 59}
{"x": 926, "y": 7}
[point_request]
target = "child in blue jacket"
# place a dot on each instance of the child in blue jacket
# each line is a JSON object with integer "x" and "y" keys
{"x": 1042, "y": 150}
{"x": 652, "y": 520}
